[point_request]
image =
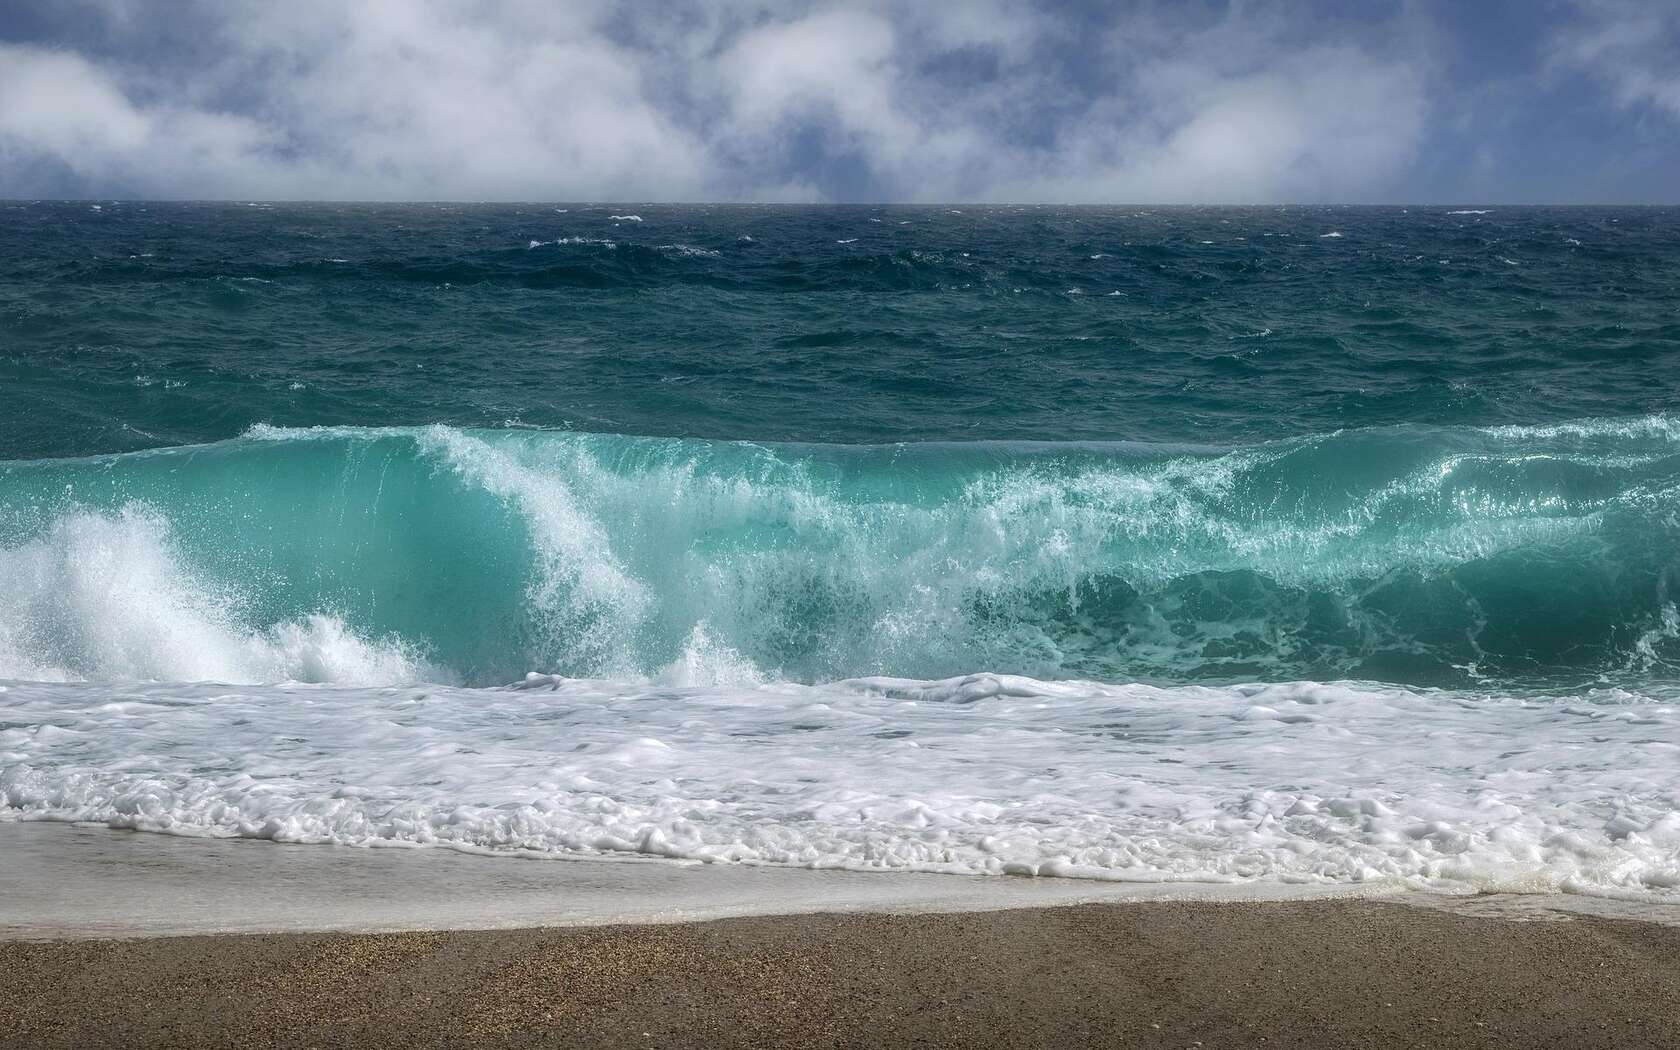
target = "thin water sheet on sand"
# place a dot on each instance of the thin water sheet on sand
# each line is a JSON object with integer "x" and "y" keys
{"x": 65, "y": 882}
{"x": 62, "y": 881}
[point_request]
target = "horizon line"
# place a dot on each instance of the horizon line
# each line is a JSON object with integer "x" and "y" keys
{"x": 830, "y": 204}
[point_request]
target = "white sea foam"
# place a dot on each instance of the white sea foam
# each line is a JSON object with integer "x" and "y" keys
{"x": 1471, "y": 211}
{"x": 625, "y": 218}
{"x": 1332, "y": 233}
{"x": 1296, "y": 783}
{"x": 104, "y": 596}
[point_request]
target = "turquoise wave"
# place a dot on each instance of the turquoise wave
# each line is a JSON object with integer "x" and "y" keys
{"x": 1423, "y": 555}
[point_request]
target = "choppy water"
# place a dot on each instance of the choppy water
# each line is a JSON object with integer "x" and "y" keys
{"x": 1294, "y": 544}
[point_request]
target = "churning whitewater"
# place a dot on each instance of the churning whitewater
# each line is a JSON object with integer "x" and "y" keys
{"x": 980, "y": 775}
{"x": 1305, "y": 546}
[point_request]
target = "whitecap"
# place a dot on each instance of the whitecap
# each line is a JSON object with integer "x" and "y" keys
{"x": 689, "y": 251}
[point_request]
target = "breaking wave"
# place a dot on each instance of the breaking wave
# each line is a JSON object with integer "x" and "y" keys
{"x": 1419, "y": 555}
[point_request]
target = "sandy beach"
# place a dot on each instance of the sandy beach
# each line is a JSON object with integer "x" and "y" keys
{"x": 105, "y": 941}
{"x": 1325, "y": 973}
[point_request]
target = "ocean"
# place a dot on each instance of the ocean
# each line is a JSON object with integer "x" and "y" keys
{"x": 1306, "y": 546}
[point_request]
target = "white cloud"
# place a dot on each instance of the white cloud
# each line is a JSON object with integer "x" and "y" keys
{"x": 1633, "y": 47}
{"x": 59, "y": 106}
{"x": 709, "y": 99}
{"x": 380, "y": 99}
{"x": 1327, "y": 123}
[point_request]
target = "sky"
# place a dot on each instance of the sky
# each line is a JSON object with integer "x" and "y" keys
{"x": 1197, "y": 101}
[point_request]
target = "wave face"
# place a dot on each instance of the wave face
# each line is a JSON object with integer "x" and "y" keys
{"x": 1419, "y": 555}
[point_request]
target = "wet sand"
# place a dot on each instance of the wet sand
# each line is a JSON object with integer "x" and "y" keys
{"x": 1343, "y": 973}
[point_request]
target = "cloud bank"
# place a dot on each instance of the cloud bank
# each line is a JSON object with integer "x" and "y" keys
{"x": 1631, "y": 45}
{"x": 736, "y": 100}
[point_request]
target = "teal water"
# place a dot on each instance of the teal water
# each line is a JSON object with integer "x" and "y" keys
{"x": 1420, "y": 446}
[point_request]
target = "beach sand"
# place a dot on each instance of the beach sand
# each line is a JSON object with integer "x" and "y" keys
{"x": 1181, "y": 974}
{"x": 100, "y": 946}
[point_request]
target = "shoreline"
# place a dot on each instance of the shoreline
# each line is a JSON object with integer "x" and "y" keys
{"x": 78, "y": 882}
{"x": 71, "y": 881}
{"x": 131, "y": 939}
